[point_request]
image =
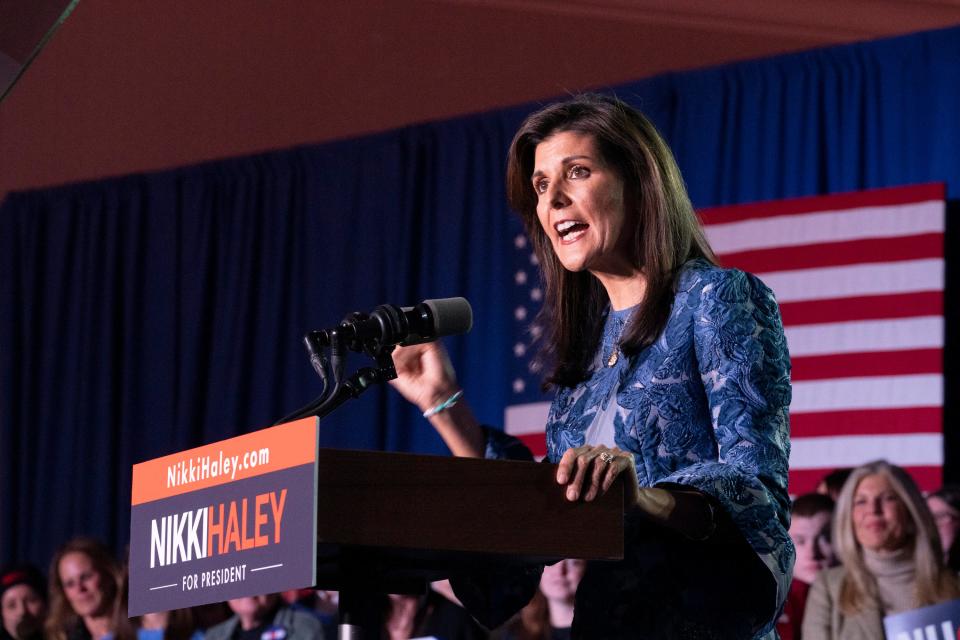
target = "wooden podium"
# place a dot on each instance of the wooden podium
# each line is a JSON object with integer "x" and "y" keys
{"x": 250, "y": 515}
{"x": 391, "y": 522}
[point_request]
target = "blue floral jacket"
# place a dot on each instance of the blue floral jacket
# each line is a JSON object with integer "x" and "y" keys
{"x": 705, "y": 406}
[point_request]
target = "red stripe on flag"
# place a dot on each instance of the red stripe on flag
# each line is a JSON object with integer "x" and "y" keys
{"x": 834, "y": 254}
{"x": 855, "y": 200}
{"x": 536, "y": 442}
{"x": 900, "y": 305}
{"x": 928, "y": 478}
{"x": 866, "y": 422}
{"x": 871, "y": 363}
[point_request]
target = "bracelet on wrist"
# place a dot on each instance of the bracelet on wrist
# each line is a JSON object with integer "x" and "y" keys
{"x": 443, "y": 406}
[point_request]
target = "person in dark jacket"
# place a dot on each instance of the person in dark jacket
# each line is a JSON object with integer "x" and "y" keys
{"x": 266, "y": 617}
{"x": 23, "y": 601}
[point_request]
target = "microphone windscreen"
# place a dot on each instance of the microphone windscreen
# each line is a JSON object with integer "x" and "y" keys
{"x": 451, "y": 316}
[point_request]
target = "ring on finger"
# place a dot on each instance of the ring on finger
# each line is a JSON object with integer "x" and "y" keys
{"x": 606, "y": 457}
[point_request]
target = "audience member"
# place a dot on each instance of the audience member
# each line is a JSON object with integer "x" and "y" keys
{"x": 549, "y": 614}
{"x": 833, "y": 482}
{"x": 23, "y": 601}
{"x": 945, "y": 506}
{"x": 437, "y": 614}
{"x": 559, "y": 585}
{"x": 810, "y": 531}
{"x": 326, "y": 606}
{"x": 257, "y": 615}
{"x": 890, "y": 558}
{"x": 85, "y": 588}
{"x": 431, "y": 615}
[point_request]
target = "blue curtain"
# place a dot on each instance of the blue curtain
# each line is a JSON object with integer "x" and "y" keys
{"x": 152, "y": 313}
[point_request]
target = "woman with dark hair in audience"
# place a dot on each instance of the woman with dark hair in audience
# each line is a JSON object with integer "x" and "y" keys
{"x": 890, "y": 558}
{"x": 670, "y": 372}
{"x": 944, "y": 504}
{"x": 85, "y": 588}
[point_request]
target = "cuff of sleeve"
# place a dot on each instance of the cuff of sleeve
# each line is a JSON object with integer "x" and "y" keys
{"x": 501, "y": 446}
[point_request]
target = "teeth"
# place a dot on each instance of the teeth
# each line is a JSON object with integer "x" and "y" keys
{"x": 564, "y": 226}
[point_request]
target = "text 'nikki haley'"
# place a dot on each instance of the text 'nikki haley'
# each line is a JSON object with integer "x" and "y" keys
{"x": 217, "y": 529}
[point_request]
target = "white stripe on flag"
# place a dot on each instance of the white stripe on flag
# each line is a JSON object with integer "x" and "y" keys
{"x": 522, "y": 419}
{"x": 827, "y": 226}
{"x": 865, "y": 335}
{"x": 916, "y": 449}
{"x": 841, "y": 394}
{"x": 875, "y": 392}
{"x": 856, "y": 280}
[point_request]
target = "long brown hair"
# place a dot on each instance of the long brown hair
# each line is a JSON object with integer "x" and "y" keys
{"x": 934, "y": 582}
{"x": 63, "y": 618}
{"x": 666, "y": 231}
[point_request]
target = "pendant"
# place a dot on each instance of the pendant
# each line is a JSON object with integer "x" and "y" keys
{"x": 614, "y": 356}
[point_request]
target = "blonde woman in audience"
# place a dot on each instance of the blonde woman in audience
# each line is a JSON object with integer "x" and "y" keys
{"x": 890, "y": 558}
{"x": 85, "y": 588}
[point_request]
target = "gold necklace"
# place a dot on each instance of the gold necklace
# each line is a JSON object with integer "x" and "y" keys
{"x": 614, "y": 355}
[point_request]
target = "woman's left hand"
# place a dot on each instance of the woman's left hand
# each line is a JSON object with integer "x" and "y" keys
{"x": 590, "y": 471}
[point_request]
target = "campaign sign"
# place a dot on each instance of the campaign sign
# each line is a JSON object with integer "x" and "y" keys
{"x": 230, "y": 519}
{"x": 937, "y": 622}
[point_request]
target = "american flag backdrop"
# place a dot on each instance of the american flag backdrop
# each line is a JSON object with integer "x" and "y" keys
{"x": 859, "y": 278}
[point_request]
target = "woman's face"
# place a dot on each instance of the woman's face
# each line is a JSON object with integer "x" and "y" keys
{"x": 82, "y": 584}
{"x": 947, "y": 519}
{"x": 880, "y": 519}
{"x": 811, "y": 537}
{"x": 560, "y": 580}
{"x": 580, "y": 204}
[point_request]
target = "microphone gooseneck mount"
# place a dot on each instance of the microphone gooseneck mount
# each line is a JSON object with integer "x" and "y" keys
{"x": 376, "y": 335}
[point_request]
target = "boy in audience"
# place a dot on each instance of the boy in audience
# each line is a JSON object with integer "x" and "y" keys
{"x": 810, "y": 532}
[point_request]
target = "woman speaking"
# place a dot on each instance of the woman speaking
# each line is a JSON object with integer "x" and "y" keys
{"x": 667, "y": 369}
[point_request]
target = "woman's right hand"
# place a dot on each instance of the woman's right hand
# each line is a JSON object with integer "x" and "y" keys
{"x": 426, "y": 378}
{"x": 425, "y": 375}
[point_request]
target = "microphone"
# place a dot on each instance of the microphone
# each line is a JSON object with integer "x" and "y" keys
{"x": 390, "y": 325}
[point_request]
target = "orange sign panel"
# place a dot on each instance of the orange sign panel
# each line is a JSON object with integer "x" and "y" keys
{"x": 253, "y": 454}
